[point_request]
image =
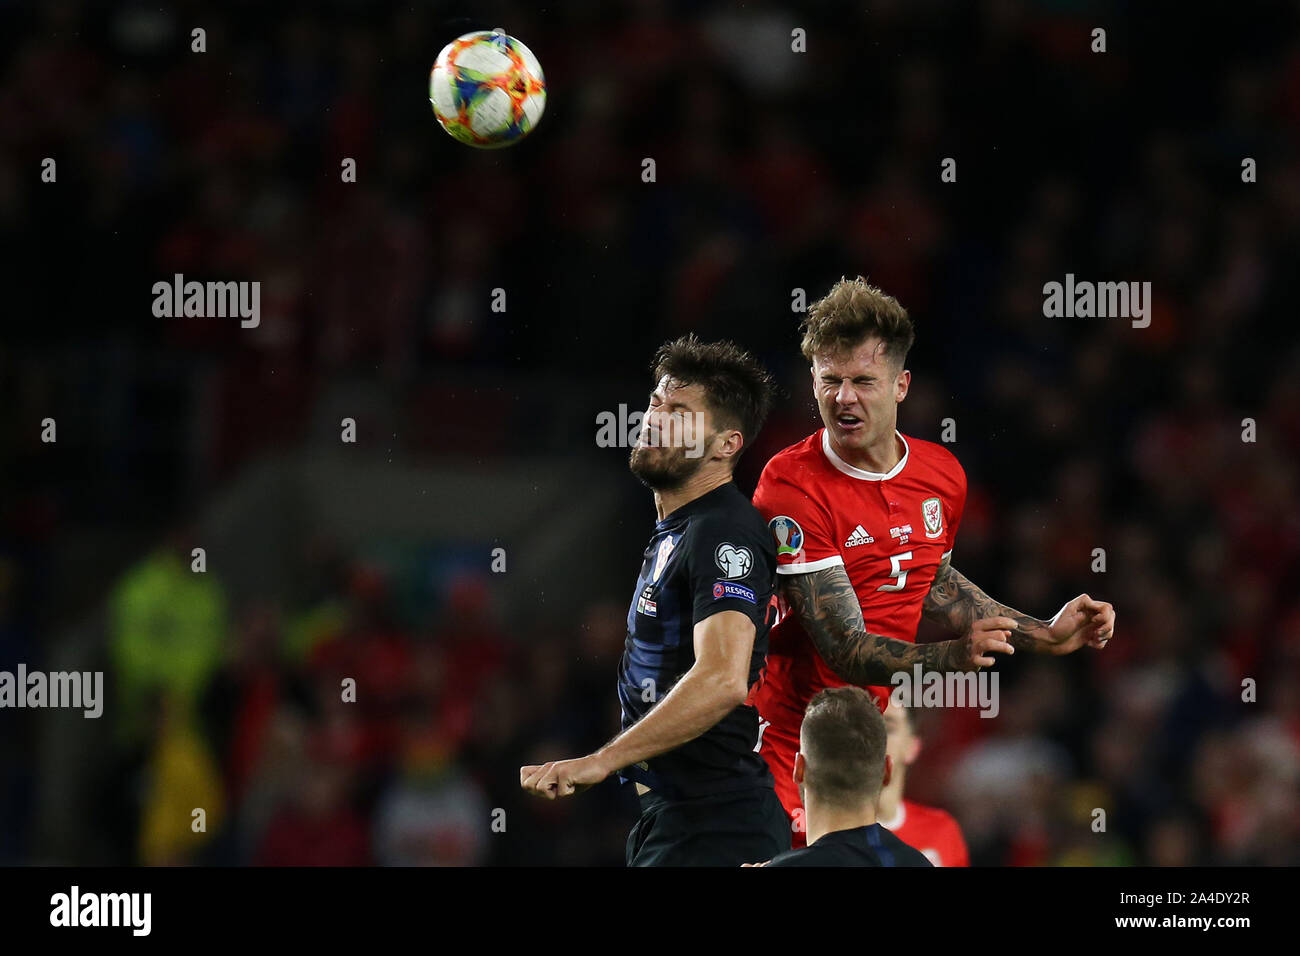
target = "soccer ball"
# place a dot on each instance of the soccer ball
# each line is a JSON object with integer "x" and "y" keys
{"x": 487, "y": 89}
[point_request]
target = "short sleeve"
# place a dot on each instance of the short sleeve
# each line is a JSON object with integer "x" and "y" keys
{"x": 732, "y": 567}
{"x": 801, "y": 527}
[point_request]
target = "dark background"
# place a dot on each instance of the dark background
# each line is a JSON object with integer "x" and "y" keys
{"x": 776, "y": 171}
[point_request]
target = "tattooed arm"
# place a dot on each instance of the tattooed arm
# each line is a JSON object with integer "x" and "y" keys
{"x": 957, "y": 604}
{"x": 829, "y": 611}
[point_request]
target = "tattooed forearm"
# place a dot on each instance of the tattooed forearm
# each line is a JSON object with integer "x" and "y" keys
{"x": 956, "y": 603}
{"x": 829, "y": 611}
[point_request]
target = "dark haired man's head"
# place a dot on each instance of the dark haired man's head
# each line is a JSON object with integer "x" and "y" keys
{"x": 842, "y": 762}
{"x": 710, "y": 399}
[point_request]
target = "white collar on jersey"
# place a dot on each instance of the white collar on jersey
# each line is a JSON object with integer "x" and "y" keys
{"x": 842, "y": 465}
{"x": 898, "y": 818}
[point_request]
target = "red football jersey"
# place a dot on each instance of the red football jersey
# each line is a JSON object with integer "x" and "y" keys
{"x": 890, "y": 531}
{"x": 932, "y": 831}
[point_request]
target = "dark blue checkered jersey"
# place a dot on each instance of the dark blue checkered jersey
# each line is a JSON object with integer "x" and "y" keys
{"x": 712, "y": 554}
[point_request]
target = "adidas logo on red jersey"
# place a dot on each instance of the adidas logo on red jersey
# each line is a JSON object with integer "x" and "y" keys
{"x": 859, "y": 536}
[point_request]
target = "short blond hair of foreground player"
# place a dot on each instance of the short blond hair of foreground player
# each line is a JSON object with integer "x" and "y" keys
{"x": 839, "y": 770}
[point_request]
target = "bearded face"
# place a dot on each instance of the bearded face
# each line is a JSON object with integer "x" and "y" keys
{"x": 674, "y": 434}
{"x": 663, "y": 468}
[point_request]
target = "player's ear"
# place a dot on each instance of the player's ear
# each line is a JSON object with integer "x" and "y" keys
{"x": 799, "y": 767}
{"x": 913, "y": 751}
{"x": 731, "y": 442}
{"x": 889, "y": 772}
{"x": 902, "y": 384}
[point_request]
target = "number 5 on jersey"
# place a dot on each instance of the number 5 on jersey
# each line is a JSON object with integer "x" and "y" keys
{"x": 896, "y": 571}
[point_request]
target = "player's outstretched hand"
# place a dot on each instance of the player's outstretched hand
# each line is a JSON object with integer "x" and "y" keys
{"x": 562, "y": 778}
{"x": 989, "y": 635}
{"x": 1082, "y": 621}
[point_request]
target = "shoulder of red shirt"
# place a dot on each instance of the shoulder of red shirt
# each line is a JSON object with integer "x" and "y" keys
{"x": 938, "y": 823}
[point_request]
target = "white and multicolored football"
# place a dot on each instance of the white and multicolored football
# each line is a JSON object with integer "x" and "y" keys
{"x": 487, "y": 89}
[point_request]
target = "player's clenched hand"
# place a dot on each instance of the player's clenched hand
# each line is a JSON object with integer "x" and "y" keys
{"x": 1082, "y": 621}
{"x": 562, "y": 778}
{"x": 987, "y": 636}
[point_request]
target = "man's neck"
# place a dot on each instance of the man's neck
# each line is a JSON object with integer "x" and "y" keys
{"x": 890, "y": 799}
{"x": 701, "y": 483}
{"x": 879, "y": 457}
{"x": 822, "y": 819}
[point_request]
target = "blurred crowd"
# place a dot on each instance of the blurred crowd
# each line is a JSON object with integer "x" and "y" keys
{"x": 1173, "y": 449}
{"x": 341, "y": 731}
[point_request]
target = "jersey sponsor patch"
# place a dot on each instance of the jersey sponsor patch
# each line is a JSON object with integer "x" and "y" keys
{"x": 932, "y": 512}
{"x": 646, "y": 606}
{"x": 729, "y": 589}
{"x": 788, "y": 534}
{"x": 734, "y": 562}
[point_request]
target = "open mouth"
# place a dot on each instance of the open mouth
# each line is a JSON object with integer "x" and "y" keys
{"x": 849, "y": 423}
